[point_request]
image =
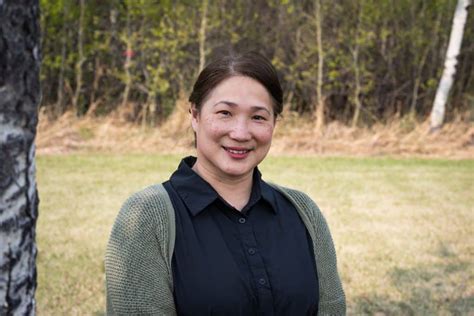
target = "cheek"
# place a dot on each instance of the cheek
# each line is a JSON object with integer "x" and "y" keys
{"x": 214, "y": 128}
{"x": 265, "y": 134}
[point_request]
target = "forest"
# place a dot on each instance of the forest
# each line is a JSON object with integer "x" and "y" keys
{"x": 357, "y": 62}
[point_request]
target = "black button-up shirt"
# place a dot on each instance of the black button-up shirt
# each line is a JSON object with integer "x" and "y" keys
{"x": 258, "y": 261}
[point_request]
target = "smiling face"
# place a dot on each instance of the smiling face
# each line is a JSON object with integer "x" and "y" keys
{"x": 234, "y": 128}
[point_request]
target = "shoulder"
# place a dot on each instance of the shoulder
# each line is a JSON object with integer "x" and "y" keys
{"x": 147, "y": 206}
{"x": 298, "y": 198}
{"x": 148, "y": 196}
{"x": 309, "y": 212}
{"x": 139, "y": 250}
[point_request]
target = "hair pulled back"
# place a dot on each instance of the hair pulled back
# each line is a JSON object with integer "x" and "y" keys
{"x": 250, "y": 64}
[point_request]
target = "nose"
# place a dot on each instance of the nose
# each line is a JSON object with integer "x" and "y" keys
{"x": 240, "y": 131}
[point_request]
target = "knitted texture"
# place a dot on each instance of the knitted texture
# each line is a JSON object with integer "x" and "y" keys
{"x": 138, "y": 256}
{"x": 139, "y": 253}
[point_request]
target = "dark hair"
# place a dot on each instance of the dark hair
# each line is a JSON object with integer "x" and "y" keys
{"x": 250, "y": 64}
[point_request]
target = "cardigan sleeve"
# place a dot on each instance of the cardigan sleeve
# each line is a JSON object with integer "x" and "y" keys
{"x": 138, "y": 273}
{"x": 332, "y": 298}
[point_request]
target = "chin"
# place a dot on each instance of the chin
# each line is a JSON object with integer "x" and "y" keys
{"x": 237, "y": 172}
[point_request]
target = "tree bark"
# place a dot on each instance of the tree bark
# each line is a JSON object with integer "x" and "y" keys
{"x": 357, "y": 89}
{"x": 419, "y": 68}
{"x": 80, "y": 59}
{"x": 455, "y": 39}
{"x": 98, "y": 73}
{"x": 355, "y": 62}
{"x": 19, "y": 99}
{"x": 202, "y": 36}
{"x": 60, "y": 92}
{"x": 128, "y": 62}
{"x": 319, "y": 82}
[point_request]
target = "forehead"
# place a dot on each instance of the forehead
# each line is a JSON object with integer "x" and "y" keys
{"x": 241, "y": 90}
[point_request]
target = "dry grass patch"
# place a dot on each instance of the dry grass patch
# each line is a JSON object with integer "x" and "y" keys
{"x": 293, "y": 135}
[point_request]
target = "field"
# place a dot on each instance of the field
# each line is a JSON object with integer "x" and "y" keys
{"x": 403, "y": 228}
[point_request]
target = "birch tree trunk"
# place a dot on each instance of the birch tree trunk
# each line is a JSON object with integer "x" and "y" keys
{"x": 19, "y": 99}
{"x": 455, "y": 39}
{"x": 319, "y": 82}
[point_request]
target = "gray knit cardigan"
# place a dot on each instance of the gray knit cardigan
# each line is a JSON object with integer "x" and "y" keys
{"x": 138, "y": 257}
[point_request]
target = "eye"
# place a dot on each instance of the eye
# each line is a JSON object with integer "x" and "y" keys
{"x": 259, "y": 118}
{"x": 224, "y": 113}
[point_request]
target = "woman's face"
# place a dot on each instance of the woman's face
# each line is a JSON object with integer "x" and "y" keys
{"x": 234, "y": 128}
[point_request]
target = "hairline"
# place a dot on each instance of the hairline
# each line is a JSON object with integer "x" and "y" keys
{"x": 234, "y": 73}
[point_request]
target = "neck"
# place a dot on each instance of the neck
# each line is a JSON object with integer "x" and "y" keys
{"x": 234, "y": 190}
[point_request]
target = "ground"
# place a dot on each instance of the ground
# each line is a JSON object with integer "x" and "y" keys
{"x": 403, "y": 227}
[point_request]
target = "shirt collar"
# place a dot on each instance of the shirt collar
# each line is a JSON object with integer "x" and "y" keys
{"x": 197, "y": 193}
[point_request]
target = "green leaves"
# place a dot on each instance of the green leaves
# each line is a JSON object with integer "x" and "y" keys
{"x": 398, "y": 43}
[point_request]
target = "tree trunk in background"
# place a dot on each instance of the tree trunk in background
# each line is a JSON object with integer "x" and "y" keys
{"x": 60, "y": 93}
{"x": 80, "y": 59}
{"x": 419, "y": 69}
{"x": 98, "y": 73}
{"x": 202, "y": 36}
{"x": 355, "y": 62}
{"x": 357, "y": 89}
{"x": 128, "y": 62}
{"x": 319, "y": 83}
{"x": 455, "y": 39}
{"x": 19, "y": 99}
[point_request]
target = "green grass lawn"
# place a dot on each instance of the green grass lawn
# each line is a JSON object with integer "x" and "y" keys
{"x": 403, "y": 228}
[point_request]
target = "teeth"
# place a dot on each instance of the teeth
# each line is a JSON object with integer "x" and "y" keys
{"x": 238, "y": 152}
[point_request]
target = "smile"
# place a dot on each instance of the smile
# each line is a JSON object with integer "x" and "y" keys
{"x": 237, "y": 152}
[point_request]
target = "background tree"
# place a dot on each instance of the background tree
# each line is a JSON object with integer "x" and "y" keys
{"x": 455, "y": 40}
{"x": 320, "y": 103}
{"x": 380, "y": 59}
{"x": 19, "y": 100}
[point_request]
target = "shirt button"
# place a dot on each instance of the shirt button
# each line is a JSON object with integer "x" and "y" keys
{"x": 252, "y": 251}
{"x": 242, "y": 220}
{"x": 262, "y": 281}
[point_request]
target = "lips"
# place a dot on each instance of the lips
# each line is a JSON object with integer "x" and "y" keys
{"x": 237, "y": 152}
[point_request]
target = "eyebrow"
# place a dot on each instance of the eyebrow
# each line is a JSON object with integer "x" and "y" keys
{"x": 255, "y": 108}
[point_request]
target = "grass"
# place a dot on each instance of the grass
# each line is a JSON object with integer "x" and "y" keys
{"x": 403, "y": 228}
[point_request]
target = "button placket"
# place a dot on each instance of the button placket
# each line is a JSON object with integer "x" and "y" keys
{"x": 255, "y": 260}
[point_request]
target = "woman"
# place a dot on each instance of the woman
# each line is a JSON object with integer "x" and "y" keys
{"x": 216, "y": 239}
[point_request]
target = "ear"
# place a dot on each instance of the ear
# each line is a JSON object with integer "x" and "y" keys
{"x": 194, "y": 117}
